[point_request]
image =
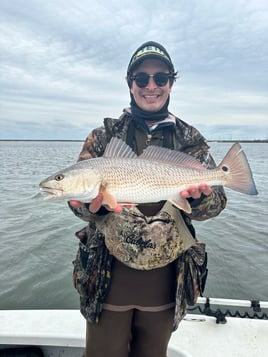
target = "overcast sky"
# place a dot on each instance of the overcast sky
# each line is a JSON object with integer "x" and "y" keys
{"x": 63, "y": 64}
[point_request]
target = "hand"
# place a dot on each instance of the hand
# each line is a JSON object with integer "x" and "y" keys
{"x": 95, "y": 204}
{"x": 195, "y": 191}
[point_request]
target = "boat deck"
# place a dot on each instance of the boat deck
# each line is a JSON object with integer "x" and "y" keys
{"x": 62, "y": 333}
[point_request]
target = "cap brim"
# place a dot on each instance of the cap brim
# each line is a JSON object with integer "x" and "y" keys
{"x": 150, "y": 56}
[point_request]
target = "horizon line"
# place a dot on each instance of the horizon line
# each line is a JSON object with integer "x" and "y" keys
{"x": 81, "y": 140}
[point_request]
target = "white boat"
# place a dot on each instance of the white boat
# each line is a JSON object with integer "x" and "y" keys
{"x": 61, "y": 333}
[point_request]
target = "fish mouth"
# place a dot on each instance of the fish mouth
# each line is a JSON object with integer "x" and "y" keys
{"x": 53, "y": 193}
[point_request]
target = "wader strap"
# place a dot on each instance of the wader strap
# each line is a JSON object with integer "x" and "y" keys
{"x": 188, "y": 239}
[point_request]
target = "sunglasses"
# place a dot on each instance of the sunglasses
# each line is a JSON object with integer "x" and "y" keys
{"x": 160, "y": 79}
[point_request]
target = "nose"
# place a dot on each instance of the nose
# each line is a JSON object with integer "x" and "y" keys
{"x": 151, "y": 84}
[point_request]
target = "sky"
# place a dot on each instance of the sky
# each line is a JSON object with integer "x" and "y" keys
{"x": 63, "y": 64}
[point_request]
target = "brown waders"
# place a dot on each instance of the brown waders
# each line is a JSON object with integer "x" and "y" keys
{"x": 150, "y": 333}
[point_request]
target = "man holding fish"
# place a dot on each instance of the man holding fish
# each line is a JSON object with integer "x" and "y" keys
{"x": 139, "y": 191}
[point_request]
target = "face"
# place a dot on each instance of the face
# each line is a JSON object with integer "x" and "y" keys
{"x": 152, "y": 97}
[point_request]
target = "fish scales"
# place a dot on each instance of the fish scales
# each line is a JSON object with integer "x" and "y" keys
{"x": 158, "y": 174}
{"x": 143, "y": 181}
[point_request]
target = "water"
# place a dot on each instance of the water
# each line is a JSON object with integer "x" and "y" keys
{"x": 37, "y": 241}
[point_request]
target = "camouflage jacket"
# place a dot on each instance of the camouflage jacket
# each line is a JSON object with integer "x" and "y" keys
{"x": 93, "y": 263}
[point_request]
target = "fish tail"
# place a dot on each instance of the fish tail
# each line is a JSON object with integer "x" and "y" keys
{"x": 238, "y": 173}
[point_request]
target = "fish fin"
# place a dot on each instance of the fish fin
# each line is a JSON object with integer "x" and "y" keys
{"x": 171, "y": 156}
{"x": 103, "y": 198}
{"x": 182, "y": 204}
{"x": 127, "y": 205}
{"x": 118, "y": 148}
{"x": 238, "y": 173}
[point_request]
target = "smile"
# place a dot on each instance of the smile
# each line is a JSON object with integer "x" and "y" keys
{"x": 151, "y": 96}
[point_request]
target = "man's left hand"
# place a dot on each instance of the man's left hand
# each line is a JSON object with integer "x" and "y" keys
{"x": 195, "y": 191}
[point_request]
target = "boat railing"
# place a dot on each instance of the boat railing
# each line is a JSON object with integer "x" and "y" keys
{"x": 252, "y": 309}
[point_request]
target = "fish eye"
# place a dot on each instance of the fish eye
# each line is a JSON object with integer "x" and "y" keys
{"x": 59, "y": 177}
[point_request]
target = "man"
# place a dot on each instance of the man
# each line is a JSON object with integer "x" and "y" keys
{"x": 134, "y": 294}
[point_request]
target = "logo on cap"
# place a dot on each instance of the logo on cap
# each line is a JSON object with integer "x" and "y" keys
{"x": 149, "y": 50}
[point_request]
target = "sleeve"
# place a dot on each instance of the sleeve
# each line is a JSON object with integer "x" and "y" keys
{"x": 93, "y": 146}
{"x": 208, "y": 206}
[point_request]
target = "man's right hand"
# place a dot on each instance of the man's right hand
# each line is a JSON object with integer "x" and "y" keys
{"x": 95, "y": 205}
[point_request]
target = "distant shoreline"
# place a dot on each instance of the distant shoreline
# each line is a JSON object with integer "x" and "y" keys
{"x": 45, "y": 140}
{"x": 210, "y": 141}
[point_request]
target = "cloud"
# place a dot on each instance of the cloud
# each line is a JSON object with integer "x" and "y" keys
{"x": 63, "y": 63}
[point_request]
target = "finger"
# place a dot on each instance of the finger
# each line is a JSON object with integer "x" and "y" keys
{"x": 118, "y": 209}
{"x": 195, "y": 193}
{"x": 76, "y": 204}
{"x": 205, "y": 189}
{"x": 185, "y": 194}
{"x": 96, "y": 203}
{"x": 191, "y": 191}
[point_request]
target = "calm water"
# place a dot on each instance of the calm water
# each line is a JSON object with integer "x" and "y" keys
{"x": 37, "y": 241}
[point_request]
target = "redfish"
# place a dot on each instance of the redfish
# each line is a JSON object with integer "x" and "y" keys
{"x": 157, "y": 174}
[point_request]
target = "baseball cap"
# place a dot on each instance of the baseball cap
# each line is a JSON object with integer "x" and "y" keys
{"x": 149, "y": 50}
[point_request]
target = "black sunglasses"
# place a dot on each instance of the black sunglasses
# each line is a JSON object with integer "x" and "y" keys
{"x": 160, "y": 79}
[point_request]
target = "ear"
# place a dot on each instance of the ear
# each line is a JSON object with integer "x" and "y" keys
{"x": 171, "y": 83}
{"x": 129, "y": 82}
{"x": 173, "y": 80}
